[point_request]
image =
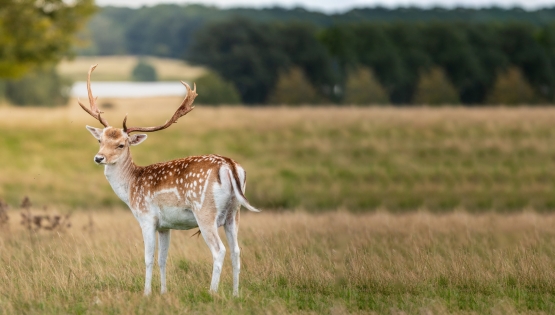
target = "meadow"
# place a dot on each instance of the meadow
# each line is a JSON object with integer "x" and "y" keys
{"x": 292, "y": 262}
{"x": 375, "y": 210}
{"x": 324, "y": 158}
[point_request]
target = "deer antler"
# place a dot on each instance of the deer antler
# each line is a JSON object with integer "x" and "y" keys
{"x": 181, "y": 111}
{"x": 92, "y": 101}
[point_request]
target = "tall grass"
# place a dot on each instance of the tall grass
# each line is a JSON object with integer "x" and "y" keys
{"x": 334, "y": 263}
{"x": 359, "y": 159}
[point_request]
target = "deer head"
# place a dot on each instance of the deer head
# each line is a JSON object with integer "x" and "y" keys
{"x": 115, "y": 142}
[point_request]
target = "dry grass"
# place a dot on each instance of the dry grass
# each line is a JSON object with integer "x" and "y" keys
{"x": 334, "y": 263}
{"x": 119, "y": 68}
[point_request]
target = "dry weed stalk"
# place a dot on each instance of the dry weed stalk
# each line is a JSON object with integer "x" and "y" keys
{"x": 4, "y": 218}
{"x": 90, "y": 225}
{"x": 47, "y": 222}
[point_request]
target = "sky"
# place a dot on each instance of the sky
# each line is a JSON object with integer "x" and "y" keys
{"x": 332, "y": 6}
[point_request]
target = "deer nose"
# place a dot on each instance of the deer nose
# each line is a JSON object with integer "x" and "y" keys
{"x": 98, "y": 158}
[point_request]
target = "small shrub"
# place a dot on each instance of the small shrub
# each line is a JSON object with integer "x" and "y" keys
{"x": 293, "y": 88}
{"x": 434, "y": 88}
{"x": 214, "y": 90}
{"x": 362, "y": 88}
{"x": 43, "y": 87}
{"x": 144, "y": 71}
{"x": 511, "y": 88}
{"x": 35, "y": 222}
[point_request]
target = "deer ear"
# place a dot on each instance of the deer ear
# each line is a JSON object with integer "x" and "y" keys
{"x": 96, "y": 132}
{"x": 137, "y": 139}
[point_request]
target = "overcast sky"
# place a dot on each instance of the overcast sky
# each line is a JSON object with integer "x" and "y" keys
{"x": 340, "y": 5}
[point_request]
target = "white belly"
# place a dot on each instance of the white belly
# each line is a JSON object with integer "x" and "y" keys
{"x": 176, "y": 219}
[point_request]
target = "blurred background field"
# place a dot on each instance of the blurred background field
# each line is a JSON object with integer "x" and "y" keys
{"x": 318, "y": 159}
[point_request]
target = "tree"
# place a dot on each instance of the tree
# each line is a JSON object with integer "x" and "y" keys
{"x": 299, "y": 43}
{"x": 40, "y": 87}
{"x": 242, "y": 52}
{"x": 362, "y": 88}
{"x": 293, "y": 88}
{"x": 144, "y": 71}
{"x": 34, "y": 33}
{"x": 511, "y": 88}
{"x": 216, "y": 91}
{"x": 434, "y": 88}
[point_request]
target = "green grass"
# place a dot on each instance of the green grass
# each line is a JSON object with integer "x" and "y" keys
{"x": 321, "y": 159}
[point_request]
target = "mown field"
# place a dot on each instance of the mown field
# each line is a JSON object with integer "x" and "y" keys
{"x": 292, "y": 262}
{"x": 359, "y": 159}
{"x": 119, "y": 68}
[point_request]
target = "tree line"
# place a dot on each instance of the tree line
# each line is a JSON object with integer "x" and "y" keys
{"x": 167, "y": 30}
{"x": 295, "y": 56}
{"x": 404, "y": 63}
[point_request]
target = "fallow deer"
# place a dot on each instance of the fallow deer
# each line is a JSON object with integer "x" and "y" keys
{"x": 198, "y": 191}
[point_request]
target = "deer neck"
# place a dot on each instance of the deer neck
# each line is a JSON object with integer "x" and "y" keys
{"x": 121, "y": 174}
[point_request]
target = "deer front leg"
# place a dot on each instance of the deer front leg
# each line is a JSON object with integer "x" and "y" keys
{"x": 163, "y": 246}
{"x": 149, "y": 236}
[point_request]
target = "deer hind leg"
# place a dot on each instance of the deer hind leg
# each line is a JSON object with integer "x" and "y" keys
{"x": 231, "y": 229}
{"x": 163, "y": 246}
{"x": 210, "y": 234}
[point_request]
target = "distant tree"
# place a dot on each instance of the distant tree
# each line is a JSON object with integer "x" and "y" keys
{"x": 511, "y": 88}
{"x": 35, "y": 33}
{"x": 434, "y": 88}
{"x": 523, "y": 46}
{"x": 362, "y": 88}
{"x": 300, "y": 45}
{"x": 216, "y": 91}
{"x": 242, "y": 52}
{"x": 450, "y": 48}
{"x": 293, "y": 88}
{"x": 144, "y": 71}
{"x": 43, "y": 87}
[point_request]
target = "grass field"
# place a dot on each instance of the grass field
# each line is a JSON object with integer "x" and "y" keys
{"x": 292, "y": 262}
{"x": 367, "y": 210}
{"x": 359, "y": 159}
{"x": 119, "y": 68}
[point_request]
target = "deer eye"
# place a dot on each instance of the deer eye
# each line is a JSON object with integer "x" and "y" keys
{"x": 98, "y": 141}
{"x": 120, "y": 146}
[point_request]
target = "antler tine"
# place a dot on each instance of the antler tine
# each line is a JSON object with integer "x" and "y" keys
{"x": 92, "y": 101}
{"x": 184, "y": 109}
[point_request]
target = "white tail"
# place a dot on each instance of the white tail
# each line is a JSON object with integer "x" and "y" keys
{"x": 239, "y": 193}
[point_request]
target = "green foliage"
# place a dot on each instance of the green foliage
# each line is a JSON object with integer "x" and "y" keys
{"x": 362, "y": 88}
{"x": 434, "y": 88}
{"x": 250, "y": 47}
{"x": 144, "y": 71}
{"x": 216, "y": 91}
{"x": 511, "y": 88}
{"x": 242, "y": 52}
{"x": 293, "y": 88}
{"x": 251, "y": 55}
{"x": 36, "y": 33}
{"x": 42, "y": 87}
{"x": 167, "y": 30}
